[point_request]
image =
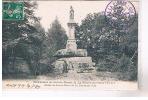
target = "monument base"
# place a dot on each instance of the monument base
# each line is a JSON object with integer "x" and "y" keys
{"x": 71, "y": 53}
{"x": 78, "y": 64}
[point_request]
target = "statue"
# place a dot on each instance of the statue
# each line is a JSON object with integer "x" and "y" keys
{"x": 71, "y": 13}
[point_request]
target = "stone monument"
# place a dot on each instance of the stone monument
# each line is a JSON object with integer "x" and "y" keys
{"x": 72, "y": 58}
{"x": 71, "y": 43}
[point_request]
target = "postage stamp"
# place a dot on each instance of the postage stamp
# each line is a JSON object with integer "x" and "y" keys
{"x": 13, "y": 11}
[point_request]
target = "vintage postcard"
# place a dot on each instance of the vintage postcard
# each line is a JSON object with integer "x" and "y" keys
{"x": 49, "y": 44}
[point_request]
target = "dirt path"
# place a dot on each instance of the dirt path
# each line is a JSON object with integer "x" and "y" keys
{"x": 72, "y": 75}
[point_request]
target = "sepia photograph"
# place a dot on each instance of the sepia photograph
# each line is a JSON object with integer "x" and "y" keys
{"x": 70, "y": 44}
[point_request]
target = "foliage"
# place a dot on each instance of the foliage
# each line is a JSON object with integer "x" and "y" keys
{"x": 57, "y": 38}
{"x": 22, "y": 39}
{"x": 57, "y": 35}
{"x": 107, "y": 45}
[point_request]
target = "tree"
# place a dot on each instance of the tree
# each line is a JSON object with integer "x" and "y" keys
{"x": 98, "y": 38}
{"x": 22, "y": 39}
{"x": 107, "y": 45}
{"x": 56, "y": 39}
{"x": 57, "y": 35}
{"x": 90, "y": 32}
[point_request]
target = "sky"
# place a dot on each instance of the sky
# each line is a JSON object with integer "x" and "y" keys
{"x": 48, "y": 10}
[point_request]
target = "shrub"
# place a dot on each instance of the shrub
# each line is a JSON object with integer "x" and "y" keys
{"x": 123, "y": 65}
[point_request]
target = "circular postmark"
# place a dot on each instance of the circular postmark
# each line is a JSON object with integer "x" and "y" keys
{"x": 120, "y": 14}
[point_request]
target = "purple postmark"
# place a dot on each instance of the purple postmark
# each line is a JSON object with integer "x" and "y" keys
{"x": 120, "y": 14}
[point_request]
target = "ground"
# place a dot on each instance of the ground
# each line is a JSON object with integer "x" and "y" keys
{"x": 115, "y": 76}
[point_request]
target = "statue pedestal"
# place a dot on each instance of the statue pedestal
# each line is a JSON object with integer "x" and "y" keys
{"x": 71, "y": 44}
{"x": 77, "y": 64}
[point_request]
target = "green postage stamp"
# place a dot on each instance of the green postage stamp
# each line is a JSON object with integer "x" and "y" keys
{"x": 13, "y": 11}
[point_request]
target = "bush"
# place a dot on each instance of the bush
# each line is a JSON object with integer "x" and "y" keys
{"x": 123, "y": 65}
{"x": 108, "y": 64}
{"x": 17, "y": 68}
{"x": 127, "y": 66}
